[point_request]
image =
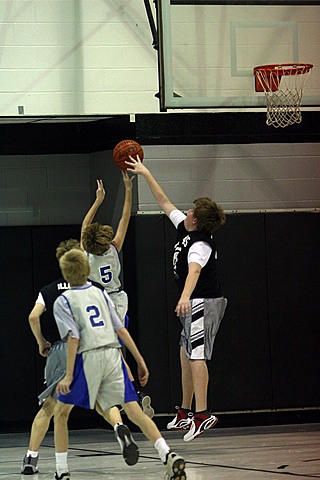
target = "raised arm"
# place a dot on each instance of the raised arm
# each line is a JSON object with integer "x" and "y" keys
{"x": 136, "y": 166}
{"x": 126, "y": 213}
{"x": 100, "y": 194}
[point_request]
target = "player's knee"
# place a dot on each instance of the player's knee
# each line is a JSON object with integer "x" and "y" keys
{"x": 61, "y": 412}
{"x": 48, "y": 407}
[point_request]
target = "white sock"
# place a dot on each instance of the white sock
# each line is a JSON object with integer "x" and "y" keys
{"x": 117, "y": 425}
{"x": 31, "y": 453}
{"x": 162, "y": 447}
{"x": 62, "y": 463}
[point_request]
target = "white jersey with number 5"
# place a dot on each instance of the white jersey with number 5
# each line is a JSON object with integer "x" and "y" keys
{"x": 105, "y": 269}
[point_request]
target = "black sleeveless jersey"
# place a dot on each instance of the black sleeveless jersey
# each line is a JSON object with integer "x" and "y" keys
{"x": 208, "y": 285}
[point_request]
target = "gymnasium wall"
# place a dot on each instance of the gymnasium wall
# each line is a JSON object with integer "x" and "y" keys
{"x": 87, "y": 57}
{"x": 75, "y": 57}
{"x": 265, "y": 357}
{"x": 51, "y": 189}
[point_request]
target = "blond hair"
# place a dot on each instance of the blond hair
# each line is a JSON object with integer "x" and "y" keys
{"x": 74, "y": 266}
{"x": 96, "y": 238}
{"x": 210, "y": 217}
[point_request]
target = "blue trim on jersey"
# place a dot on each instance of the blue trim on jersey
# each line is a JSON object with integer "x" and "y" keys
{"x": 82, "y": 287}
{"x": 130, "y": 394}
{"x": 79, "y": 394}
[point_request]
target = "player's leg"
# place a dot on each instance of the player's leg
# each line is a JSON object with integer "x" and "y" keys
{"x": 174, "y": 464}
{"x": 129, "y": 448}
{"x": 200, "y": 380}
{"x": 112, "y": 416}
{"x": 61, "y": 439}
{"x": 209, "y": 313}
{"x": 183, "y": 417}
{"x": 39, "y": 429}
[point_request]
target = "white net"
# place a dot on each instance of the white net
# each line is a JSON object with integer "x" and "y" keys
{"x": 283, "y": 86}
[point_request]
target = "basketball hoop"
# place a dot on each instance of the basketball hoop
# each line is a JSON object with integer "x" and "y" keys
{"x": 283, "y": 85}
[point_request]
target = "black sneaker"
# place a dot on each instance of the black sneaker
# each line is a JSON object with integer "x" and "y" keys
{"x": 29, "y": 465}
{"x": 63, "y": 476}
{"x": 129, "y": 448}
{"x": 145, "y": 403}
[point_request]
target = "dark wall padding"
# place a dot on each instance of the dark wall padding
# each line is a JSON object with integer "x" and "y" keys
{"x": 145, "y": 282}
{"x": 265, "y": 356}
{"x": 17, "y": 350}
{"x": 242, "y": 356}
{"x": 266, "y": 352}
{"x": 28, "y": 262}
{"x": 292, "y": 249}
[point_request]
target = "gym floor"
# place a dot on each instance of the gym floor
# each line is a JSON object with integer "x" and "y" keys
{"x": 257, "y": 453}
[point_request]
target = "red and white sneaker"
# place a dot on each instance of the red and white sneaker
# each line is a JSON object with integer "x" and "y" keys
{"x": 200, "y": 423}
{"x": 181, "y": 421}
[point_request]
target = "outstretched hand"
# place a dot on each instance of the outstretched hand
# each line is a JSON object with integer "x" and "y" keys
{"x": 126, "y": 179}
{"x": 135, "y": 165}
{"x": 100, "y": 192}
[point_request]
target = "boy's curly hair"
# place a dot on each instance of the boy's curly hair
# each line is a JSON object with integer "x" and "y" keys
{"x": 210, "y": 217}
{"x": 96, "y": 238}
{"x": 65, "y": 246}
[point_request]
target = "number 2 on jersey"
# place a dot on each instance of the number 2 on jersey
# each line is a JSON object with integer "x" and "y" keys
{"x": 93, "y": 317}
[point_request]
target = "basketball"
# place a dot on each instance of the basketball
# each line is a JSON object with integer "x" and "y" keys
{"x": 123, "y": 150}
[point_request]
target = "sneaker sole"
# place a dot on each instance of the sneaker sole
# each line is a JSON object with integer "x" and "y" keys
{"x": 199, "y": 432}
{"x": 178, "y": 470}
{"x": 29, "y": 470}
{"x": 65, "y": 476}
{"x": 130, "y": 450}
{"x": 146, "y": 406}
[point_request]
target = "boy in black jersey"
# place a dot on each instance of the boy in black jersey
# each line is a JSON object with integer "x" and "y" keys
{"x": 201, "y": 305}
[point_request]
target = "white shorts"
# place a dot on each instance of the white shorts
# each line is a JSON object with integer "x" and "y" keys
{"x": 120, "y": 300}
{"x": 201, "y": 327}
{"x": 100, "y": 376}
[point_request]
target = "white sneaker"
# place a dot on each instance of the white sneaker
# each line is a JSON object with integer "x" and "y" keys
{"x": 145, "y": 403}
{"x": 175, "y": 466}
{"x": 200, "y": 423}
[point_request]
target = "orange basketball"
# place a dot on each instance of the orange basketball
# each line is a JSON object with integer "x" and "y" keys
{"x": 123, "y": 150}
